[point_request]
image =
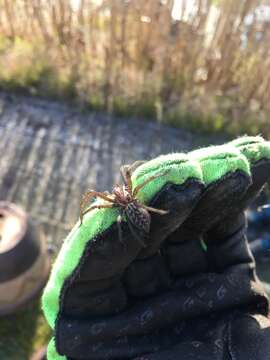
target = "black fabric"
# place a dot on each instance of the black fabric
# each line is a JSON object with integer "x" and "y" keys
{"x": 229, "y": 336}
{"x": 176, "y": 300}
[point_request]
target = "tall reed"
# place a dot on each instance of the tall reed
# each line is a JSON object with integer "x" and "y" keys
{"x": 210, "y": 68}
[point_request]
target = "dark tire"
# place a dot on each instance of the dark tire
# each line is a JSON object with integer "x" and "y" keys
{"x": 24, "y": 262}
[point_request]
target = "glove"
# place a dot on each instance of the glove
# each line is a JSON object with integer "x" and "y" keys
{"x": 189, "y": 290}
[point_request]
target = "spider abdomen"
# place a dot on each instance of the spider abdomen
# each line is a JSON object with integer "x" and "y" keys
{"x": 138, "y": 216}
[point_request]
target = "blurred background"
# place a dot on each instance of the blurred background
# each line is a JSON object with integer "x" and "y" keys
{"x": 89, "y": 85}
{"x": 198, "y": 63}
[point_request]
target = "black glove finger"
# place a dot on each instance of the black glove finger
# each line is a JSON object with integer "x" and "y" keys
{"x": 224, "y": 238}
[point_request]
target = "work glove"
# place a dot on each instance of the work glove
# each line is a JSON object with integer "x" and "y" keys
{"x": 184, "y": 285}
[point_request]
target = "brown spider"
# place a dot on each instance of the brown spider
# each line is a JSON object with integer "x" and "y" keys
{"x": 131, "y": 209}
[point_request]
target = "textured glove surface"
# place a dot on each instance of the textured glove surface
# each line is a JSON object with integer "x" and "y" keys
{"x": 191, "y": 291}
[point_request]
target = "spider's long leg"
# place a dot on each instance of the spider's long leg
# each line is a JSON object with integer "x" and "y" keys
{"x": 154, "y": 210}
{"x": 105, "y": 206}
{"x": 135, "y": 235}
{"x": 127, "y": 170}
{"x": 119, "y": 226}
{"x": 139, "y": 187}
{"x": 90, "y": 194}
{"x": 126, "y": 175}
{"x": 135, "y": 165}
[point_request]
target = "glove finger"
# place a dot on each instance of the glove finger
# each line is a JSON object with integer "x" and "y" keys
{"x": 227, "y": 174}
{"x": 257, "y": 153}
{"x": 149, "y": 273}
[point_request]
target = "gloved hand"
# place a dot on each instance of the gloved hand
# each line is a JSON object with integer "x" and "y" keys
{"x": 192, "y": 291}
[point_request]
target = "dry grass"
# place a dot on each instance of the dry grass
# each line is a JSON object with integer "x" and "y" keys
{"x": 208, "y": 71}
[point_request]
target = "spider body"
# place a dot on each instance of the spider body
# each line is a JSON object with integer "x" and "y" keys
{"x": 136, "y": 214}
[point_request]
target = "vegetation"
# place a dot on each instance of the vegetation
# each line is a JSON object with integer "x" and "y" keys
{"x": 23, "y": 333}
{"x": 208, "y": 68}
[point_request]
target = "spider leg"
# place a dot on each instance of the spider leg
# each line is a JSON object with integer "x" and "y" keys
{"x": 135, "y": 235}
{"x": 131, "y": 168}
{"x": 154, "y": 210}
{"x": 105, "y": 206}
{"x": 103, "y": 195}
{"x": 127, "y": 170}
{"x": 135, "y": 165}
{"x": 119, "y": 226}
{"x": 90, "y": 194}
{"x": 139, "y": 187}
{"x": 126, "y": 175}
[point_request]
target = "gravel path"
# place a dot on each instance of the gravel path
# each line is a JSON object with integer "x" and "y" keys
{"x": 51, "y": 153}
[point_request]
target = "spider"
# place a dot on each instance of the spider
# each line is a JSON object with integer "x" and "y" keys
{"x": 131, "y": 209}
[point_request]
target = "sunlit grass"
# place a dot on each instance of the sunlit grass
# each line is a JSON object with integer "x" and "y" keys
{"x": 28, "y": 68}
